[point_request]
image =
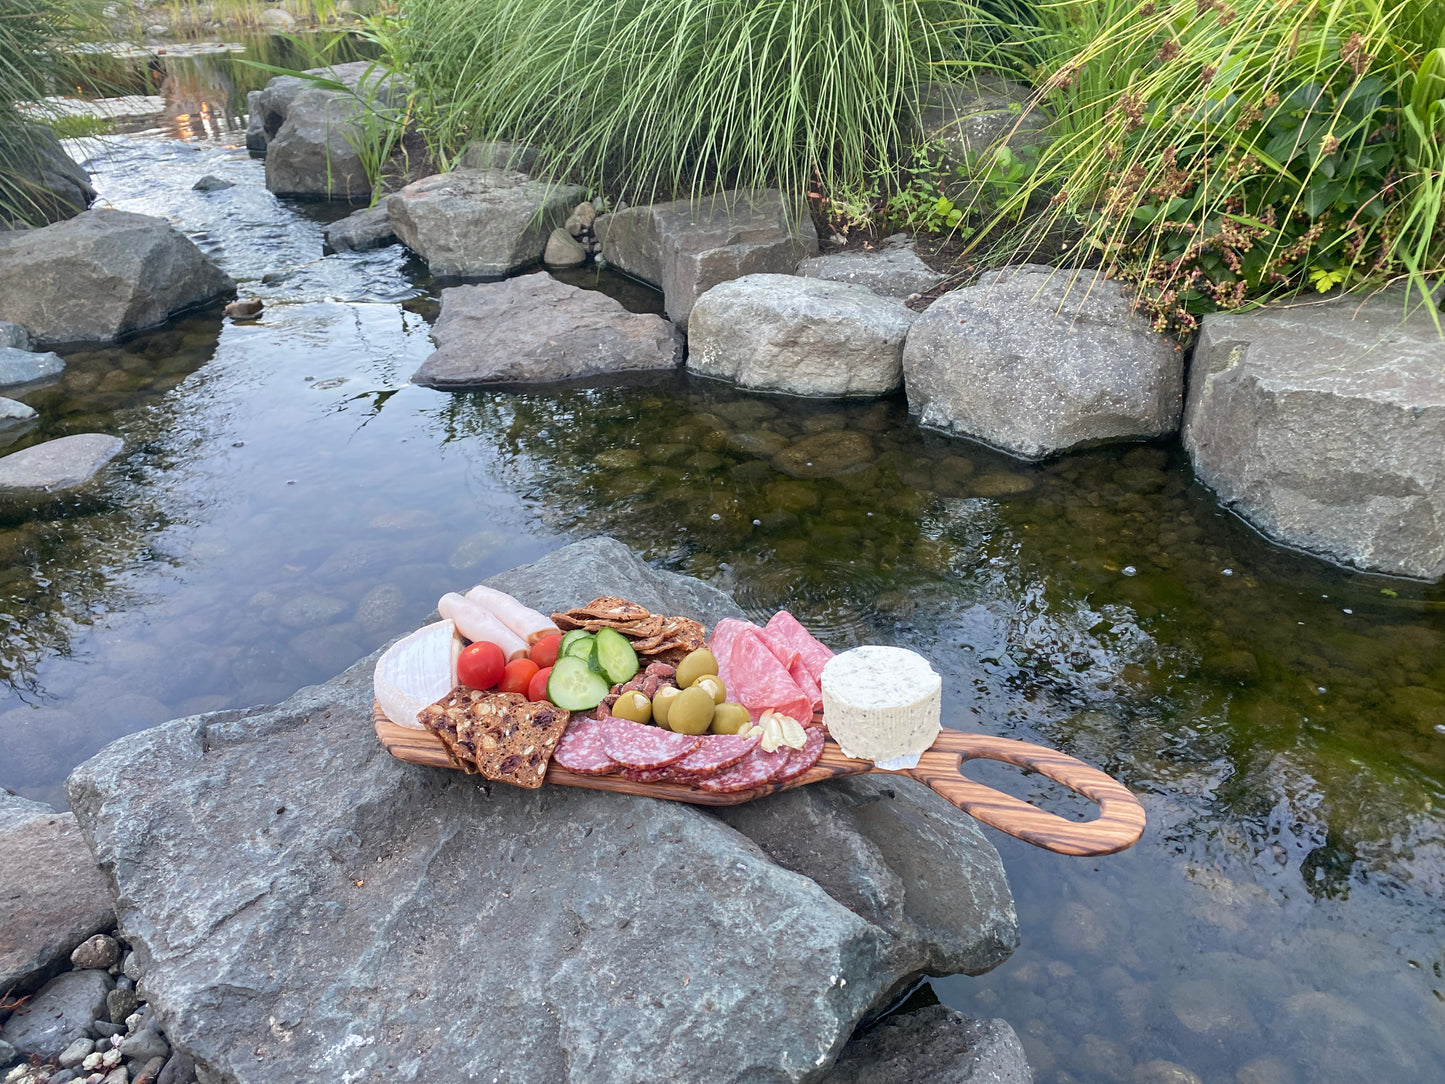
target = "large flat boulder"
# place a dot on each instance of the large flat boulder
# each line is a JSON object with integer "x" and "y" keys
{"x": 534, "y": 328}
{"x": 686, "y": 247}
{"x": 49, "y": 184}
{"x": 479, "y": 223}
{"x": 59, "y": 464}
{"x": 309, "y": 131}
{"x": 329, "y": 912}
{"x": 804, "y": 336}
{"x": 102, "y": 274}
{"x": 1323, "y": 425}
{"x": 1037, "y": 360}
{"x": 51, "y": 894}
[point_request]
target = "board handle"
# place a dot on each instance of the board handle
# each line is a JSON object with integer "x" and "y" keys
{"x": 1119, "y": 824}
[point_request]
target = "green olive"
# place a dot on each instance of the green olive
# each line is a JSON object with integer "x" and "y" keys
{"x": 662, "y": 703}
{"x": 713, "y": 684}
{"x": 633, "y": 706}
{"x": 729, "y": 718}
{"x": 695, "y": 665}
{"x": 691, "y": 711}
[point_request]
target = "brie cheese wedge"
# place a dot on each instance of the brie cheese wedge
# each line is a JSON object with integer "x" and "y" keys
{"x": 416, "y": 671}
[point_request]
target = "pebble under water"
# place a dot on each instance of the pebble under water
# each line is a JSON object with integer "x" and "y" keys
{"x": 287, "y": 503}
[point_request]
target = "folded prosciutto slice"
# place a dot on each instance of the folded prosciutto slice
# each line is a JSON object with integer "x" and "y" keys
{"x": 786, "y": 635}
{"x": 754, "y": 675}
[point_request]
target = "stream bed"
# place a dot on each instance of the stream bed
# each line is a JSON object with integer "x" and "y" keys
{"x": 288, "y": 502}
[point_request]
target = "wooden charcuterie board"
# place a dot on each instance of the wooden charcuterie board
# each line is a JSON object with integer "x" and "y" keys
{"x": 1119, "y": 824}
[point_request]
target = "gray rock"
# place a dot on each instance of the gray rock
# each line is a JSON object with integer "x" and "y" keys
{"x": 485, "y": 223}
{"x": 151, "y": 1072}
{"x": 211, "y": 183}
{"x": 101, "y": 275}
{"x": 894, "y": 271}
{"x": 381, "y": 607}
{"x": 13, "y": 335}
{"x": 12, "y": 411}
{"x": 563, "y": 250}
{"x": 8, "y": 1055}
{"x": 54, "y": 896}
{"x": 54, "y": 186}
{"x": 119, "y": 1075}
{"x": 1036, "y": 360}
{"x": 689, "y": 246}
{"x": 492, "y": 155}
{"x": 1163, "y": 1072}
{"x": 965, "y": 119}
{"x": 935, "y": 1045}
{"x": 26, "y": 367}
{"x": 130, "y": 966}
{"x": 799, "y": 335}
{"x": 361, "y": 231}
{"x": 65, "y": 1076}
{"x": 535, "y": 328}
{"x": 179, "y": 1069}
{"x": 1323, "y": 425}
{"x": 76, "y": 1052}
{"x": 308, "y": 132}
{"x": 588, "y": 936}
{"x": 104, "y": 1029}
{"x": 63, "y": 463}
{"x": 581, "y": 219}
{"x": 119, "y": 1004}
{"x": 58, "y": 1015}
{"x": 125, "y": 982}
{"x": 97, "y": 951}
{"x": 310, "y": 609}
{"x": 144, "y": 1045}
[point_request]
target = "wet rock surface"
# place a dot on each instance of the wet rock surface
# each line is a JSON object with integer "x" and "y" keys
{"x": 495, "y": 911}
{"x": 102, "y": 274}
{"x": 361, "y": 231}
{"x": 934, "y": 1045}
{"x": 482, "y": 223}
{"x": 54, "y": 186}
{"x": 23, "y": 366}
{"x": 534, "y": 328}
{"x": 53, "y": 896}
{"x": 13, "y": 336}
{"x": 892, "y": 271}
{"x": 63, "y": 463}
{"x": 689, "y": 246}
{"x": 799, "y": 335}
{"x": 1323, "y": 425}
{"x": 1036, "y": 360}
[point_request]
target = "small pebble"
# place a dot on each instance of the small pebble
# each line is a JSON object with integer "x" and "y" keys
{"x": 130, "y": 965}
{"x": 124, "y": 982}
{"x": 105, "y": 1029}
{"x": 65, "y": 1076}
{"x": 119, "y": 1004}
{"x": 96, "y": 952}
{"x": 145, "y": 1045}
{"x": 76, "y": 1053}
{"x": 133, "y": 1021}
{"x": 118, "y": 1075}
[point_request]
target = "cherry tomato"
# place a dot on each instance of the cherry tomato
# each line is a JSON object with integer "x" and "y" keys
{"x": 544, "y": 651}
{"x": 537, "y": 687}
{"x": 480, "y": 665}
{"x": 517, "y": 676}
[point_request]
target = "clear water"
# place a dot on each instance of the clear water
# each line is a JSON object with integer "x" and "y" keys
{"x": 287, "y": 503}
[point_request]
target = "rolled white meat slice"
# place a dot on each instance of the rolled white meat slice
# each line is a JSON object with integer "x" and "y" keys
{"x": 476, "y": 622}
{"x": 523, "y": 620}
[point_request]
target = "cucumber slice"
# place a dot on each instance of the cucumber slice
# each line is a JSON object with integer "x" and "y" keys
{"x": 615, "y": 656}
{"x": 574, "y": 687}
{"x": 570, "y": 638}
{"x": 581, "y": 647}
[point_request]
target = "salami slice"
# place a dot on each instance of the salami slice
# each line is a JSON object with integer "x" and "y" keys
{"x": 717, "y": 751}
{"x": 753, "y": 770}
{"x": 753, "y": 674}
{"x": 804, "y": 758}
{"x": 649, "y": 775}
{"x": 580, "y": 749}
{"x": 813, "y": 652}
{"x": 636, "y": 745}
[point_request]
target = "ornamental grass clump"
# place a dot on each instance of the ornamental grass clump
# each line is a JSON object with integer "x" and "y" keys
{"x": 1217, "y": 152}
{"x": 653, "y": 97}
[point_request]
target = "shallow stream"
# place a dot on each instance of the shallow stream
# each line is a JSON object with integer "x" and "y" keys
{"x": 288, "y": 502}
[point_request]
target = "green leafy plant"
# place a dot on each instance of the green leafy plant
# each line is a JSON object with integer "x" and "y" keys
{"x": 649, "y": 96}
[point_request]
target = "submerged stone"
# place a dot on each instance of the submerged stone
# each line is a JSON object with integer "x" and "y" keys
{"x": 64, "y": 463}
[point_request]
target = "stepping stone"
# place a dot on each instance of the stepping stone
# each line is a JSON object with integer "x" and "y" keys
{"x": 58, "y": 464}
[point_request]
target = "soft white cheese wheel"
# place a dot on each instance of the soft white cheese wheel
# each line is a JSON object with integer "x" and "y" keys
{"x": 882, "y": 704}
{"x": 416, "y": 671}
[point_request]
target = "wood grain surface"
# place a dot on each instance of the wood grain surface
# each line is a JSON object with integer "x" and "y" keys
{"x": 1119, "y": 824}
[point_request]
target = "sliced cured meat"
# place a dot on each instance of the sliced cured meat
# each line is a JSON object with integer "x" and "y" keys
{"x": 754, "y": 676}
{"x": 804, "y": 758}
{"x": 799, "y": 673}
{"x": 648, "y": 775}
{"x": 636, "y": 745}
{"x": 813, "y": 652}
{"x": 717, "y": 751}
{"x": 580, "y": 749}
{"x": 753, "y": 770}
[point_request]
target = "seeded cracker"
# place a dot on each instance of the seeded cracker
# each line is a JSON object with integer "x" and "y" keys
{"x": 502, "y": 736}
